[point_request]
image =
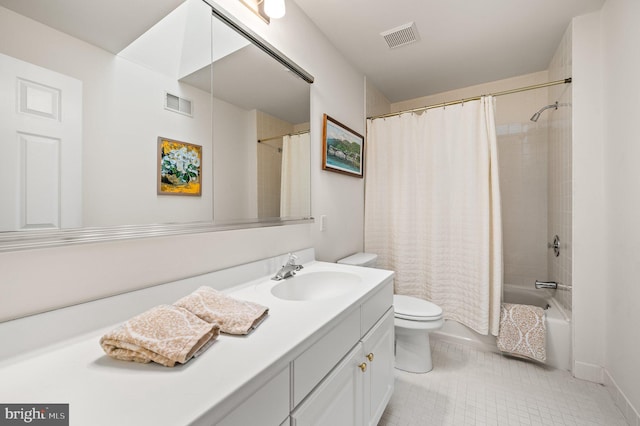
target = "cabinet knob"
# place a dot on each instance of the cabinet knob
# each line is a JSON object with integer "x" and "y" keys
{"x": 370, "y": 357}
{"x": 363, "y": 367}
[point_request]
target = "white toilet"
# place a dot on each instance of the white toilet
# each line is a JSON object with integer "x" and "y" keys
{"x": 414, "y": 320}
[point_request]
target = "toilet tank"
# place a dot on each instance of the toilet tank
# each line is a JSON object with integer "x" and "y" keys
{"x": 360, "y": 259}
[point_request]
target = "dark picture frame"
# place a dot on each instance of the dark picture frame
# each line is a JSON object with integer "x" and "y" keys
{"x": 342, "y": 148}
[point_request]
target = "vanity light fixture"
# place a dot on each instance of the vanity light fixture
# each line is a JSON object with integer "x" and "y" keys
{"x": 274, "y": 8}
{"x": 266, "y": 9}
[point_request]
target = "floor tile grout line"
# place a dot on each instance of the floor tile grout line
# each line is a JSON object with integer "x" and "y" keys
{"x": 475, "y": 387}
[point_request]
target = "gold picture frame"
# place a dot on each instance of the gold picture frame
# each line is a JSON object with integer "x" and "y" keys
{"x": 179, "y": 168}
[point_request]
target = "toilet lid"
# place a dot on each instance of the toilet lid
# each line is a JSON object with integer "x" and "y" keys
{"x": 412, "y": 308}
{"x": 360, "y": 259}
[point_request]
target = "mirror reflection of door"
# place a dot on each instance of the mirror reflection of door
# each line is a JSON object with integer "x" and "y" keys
{"x": 41, "y": 145}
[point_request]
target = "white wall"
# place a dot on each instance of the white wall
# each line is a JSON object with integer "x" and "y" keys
{"x": 606, "y": 232}
{"x": 621, "y": 109}
{"x": 376, "y": 102}
{"x": 234, "y": 163}
{"x": 37, "y": 280}
{"x": 589, "y": 264}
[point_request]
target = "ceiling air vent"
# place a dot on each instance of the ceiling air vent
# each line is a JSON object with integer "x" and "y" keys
{"x": 177, "y": 104}
{"x": 402, "y": 35}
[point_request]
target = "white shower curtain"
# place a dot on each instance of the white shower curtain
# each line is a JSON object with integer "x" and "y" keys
{"x": 295, "y": 187}
{"x": 432, "y": 209}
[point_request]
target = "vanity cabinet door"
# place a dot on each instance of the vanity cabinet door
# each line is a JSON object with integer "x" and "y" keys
{"x": 358, "y": 389}
{"x": 379, "y": 380}
{"x": 316, "y": 362}
{"x": 338, "y": 400}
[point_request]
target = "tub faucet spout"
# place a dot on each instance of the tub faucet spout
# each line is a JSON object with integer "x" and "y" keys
{"x": 547, "y": 284}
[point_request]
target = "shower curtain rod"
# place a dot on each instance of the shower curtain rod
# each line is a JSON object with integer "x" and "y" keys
{"x": 302, "y": 132}
{"x": 474, "y": 98}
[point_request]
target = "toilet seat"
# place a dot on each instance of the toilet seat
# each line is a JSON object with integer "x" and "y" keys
{"x": 414, "y": 309}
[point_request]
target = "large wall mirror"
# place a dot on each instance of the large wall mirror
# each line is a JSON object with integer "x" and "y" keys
{"x": 87, "y": 92}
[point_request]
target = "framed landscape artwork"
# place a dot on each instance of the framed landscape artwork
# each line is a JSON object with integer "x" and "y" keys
{"x": 342, "y": 148}
{"x": 179, "y": 168}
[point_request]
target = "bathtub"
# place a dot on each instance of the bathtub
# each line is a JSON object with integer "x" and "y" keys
{"x": 557, "y": 321}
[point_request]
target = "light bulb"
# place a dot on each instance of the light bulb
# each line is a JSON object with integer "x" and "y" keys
{"x": 274, "y": 8}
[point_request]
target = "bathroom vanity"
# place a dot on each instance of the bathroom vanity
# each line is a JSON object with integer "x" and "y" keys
{"x": 323, "y": 356}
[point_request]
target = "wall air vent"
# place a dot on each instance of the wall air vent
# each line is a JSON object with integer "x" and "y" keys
{"x": 402, "y": 35}
{"x": 177, "y": 104}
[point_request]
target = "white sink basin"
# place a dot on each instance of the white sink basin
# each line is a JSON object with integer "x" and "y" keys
{"x": 316, "y": 285}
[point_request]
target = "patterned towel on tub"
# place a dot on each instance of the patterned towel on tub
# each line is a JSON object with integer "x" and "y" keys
{"x": 523, "y": 331}
{"x": 233, "y": 315}
{"x": 165, "y": 334}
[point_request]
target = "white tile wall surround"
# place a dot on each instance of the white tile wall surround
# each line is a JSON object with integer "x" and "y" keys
{"x": 522, "y": 150}
{"x": 560, "y": 171}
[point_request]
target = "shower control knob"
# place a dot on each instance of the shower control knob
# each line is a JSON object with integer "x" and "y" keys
{"x": 555, "y": 245}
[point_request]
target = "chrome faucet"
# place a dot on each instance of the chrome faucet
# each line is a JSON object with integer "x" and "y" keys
{"x": 288, "y": 270}
{"x": 547, "y": 284}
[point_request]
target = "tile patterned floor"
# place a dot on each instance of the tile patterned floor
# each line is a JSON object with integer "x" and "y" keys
{"x": 472, "y": 387}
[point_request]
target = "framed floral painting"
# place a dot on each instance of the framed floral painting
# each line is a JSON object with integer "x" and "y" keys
{"x": 179, "y": 168}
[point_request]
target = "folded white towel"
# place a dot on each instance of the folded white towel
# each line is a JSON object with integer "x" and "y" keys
{"x": 233, "y": 315}
{"x": 523, "y": 331}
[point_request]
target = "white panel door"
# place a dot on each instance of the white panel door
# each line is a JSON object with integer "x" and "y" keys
{"x": 338, "y": 400}
{"x": 41, "y": 145}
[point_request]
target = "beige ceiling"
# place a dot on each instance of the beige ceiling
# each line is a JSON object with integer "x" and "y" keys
{"x": 462, "y": 42}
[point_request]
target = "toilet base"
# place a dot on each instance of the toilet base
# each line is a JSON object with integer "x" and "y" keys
{"x": 413, "y": 351}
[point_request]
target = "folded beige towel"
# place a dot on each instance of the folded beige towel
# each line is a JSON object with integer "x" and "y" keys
{"x": 165, "y": 334}
{"x": 522, "y": 331}
{"x": 233, "y": 315}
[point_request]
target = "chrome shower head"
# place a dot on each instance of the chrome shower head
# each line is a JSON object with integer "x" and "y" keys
{"x": 536, "y": 116}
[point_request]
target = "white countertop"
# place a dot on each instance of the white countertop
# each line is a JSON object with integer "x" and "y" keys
{"x": 104, "y": 391}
